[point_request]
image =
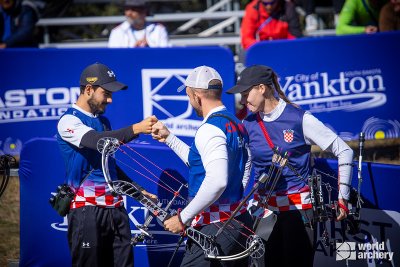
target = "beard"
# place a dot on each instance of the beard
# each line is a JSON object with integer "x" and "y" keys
{"x": 137, "y": 23}
{"x": 96, "y": 107}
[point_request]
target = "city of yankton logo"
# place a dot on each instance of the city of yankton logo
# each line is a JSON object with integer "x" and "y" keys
{"x": 353, "y": 251}
{"x": 348, "y": 90}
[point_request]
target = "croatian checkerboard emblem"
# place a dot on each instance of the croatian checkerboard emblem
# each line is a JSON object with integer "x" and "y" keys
{"x": 288, "y": 135}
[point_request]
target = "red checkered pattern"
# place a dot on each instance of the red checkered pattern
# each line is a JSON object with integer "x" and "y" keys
{"x": 284, "y": 202}
{"x": 288, "y": 136}
{"x": 91, "y": 194}
{"x": 217, "y": 213}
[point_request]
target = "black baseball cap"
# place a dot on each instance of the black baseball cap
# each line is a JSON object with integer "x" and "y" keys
{"x": 135, "y": 3}
{"x": 251, "y": 76}
{"x": 101, "y": 75}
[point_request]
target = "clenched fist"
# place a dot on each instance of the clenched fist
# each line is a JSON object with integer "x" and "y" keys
{"x": 160, "y": 132}
{"x": 145, "y": 125}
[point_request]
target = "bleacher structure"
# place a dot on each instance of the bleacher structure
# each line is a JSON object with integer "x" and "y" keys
{"x": 224, "y": 27}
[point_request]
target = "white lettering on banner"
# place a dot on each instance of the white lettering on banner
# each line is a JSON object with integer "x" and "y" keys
{"x": 378, "y": 240}
{"x": 134, "y": 212}
{"x": 352, "y": 91}
{"x": 36, "y": 104}
{"x": 153, "y": 98}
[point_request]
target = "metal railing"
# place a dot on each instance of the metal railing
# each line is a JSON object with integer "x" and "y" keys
{"x": 214, "y": 35}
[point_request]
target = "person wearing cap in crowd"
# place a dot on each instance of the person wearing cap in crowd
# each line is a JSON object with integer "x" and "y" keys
{"x": 136, "y": 31}
{"x": 219, "y": 167}
{"x": 276, "y": 122}
{"x": 98, "y": 224}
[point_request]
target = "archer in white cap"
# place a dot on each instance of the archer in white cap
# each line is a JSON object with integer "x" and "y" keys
{"x": 218, "y": 161}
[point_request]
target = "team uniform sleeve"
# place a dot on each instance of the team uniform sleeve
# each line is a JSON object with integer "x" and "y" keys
{"x": 71, "y": 130}
{"x": 247, "y": 169}
{"x": 179, "y": 147}
{"x": 211, "y": 144}
{"x": 316, "y": 133}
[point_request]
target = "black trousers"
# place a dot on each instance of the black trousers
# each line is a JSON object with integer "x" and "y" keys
{"x": 194, "y": 255}
{"x": 99, "y": 237}
{"x": 291, "y": 242}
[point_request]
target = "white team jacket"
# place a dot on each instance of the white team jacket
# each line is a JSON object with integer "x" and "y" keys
{"x": 123, "y": 36}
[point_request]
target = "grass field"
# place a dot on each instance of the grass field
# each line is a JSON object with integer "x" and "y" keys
{"x": 9, "y": 223}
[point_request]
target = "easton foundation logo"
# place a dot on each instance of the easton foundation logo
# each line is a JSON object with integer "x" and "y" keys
{"x": 362, "y": 251}
{"x": 36, "y": 104}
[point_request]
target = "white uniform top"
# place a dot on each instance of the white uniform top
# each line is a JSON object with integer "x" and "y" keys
{"x": 316, "y": 133}
{"x": 72, "y": 129}
{"x": 124, "y": 36}
{"x": 211, "y": 143}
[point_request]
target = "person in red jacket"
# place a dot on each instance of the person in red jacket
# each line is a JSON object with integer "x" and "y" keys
{"x": 269, "y": 20}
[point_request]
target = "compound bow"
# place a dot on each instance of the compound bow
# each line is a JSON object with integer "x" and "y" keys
{"x": 324, "y": 212}
{"x": 107, "y": 147}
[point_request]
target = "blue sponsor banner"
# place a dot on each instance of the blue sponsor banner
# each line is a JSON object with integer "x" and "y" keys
{"x": 348, "y": 82}
{"x": 37, "y": 86}
{"x": 44, "y": 233}
{"x": 44, "y": 237}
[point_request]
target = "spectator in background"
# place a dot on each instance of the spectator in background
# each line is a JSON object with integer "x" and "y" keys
{"x": 135, "y": 31}
{"x": 269, "y": 20}
{"x": 17, "y": 23}
{"x": 389, "y": 18}
{"x": 311, "y": 19}
{"x": 359, "y": 16}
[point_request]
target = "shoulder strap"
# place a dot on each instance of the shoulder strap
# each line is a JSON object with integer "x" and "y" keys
{"x": 370, "y": 12}
{"x": 265, "y": 23}
{"x": 87, "y": 175}
{"x": 264, "y": 130}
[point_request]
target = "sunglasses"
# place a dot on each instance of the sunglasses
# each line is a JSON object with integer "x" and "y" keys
{"x": 269, "y": 3}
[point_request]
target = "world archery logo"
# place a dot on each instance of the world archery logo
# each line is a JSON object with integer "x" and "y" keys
{"x": 346, "y": 251}
{"x": 288, "y": 135}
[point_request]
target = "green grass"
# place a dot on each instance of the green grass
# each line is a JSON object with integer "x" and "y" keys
{"x": 9, "y": 222}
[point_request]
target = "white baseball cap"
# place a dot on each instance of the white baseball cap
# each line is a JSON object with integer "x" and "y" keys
{"x": 200, "y": 78}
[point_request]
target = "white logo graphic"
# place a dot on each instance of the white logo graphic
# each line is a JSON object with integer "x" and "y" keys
{"x": 351, "y": 91}
{"x": 346, "y": 251}
{"x": 85, "y": 245}
{"x": 111, "y": 73}
{"x": 375, "y": 250}
{"x": 156, "y": 97}
{"x": 36, "y": 104}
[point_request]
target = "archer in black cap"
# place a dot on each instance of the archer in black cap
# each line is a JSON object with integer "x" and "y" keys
{"x": 278, "y": 128}
{"x": 258, "y": 75}
{"x": 81, "y": 130}
{"x": 100, "y": 75}
{"x": 251, "y": 76}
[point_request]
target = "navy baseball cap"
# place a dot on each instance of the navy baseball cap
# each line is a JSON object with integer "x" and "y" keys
{"x": 100, "y": 75}
{"x": 251, "y": 76}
